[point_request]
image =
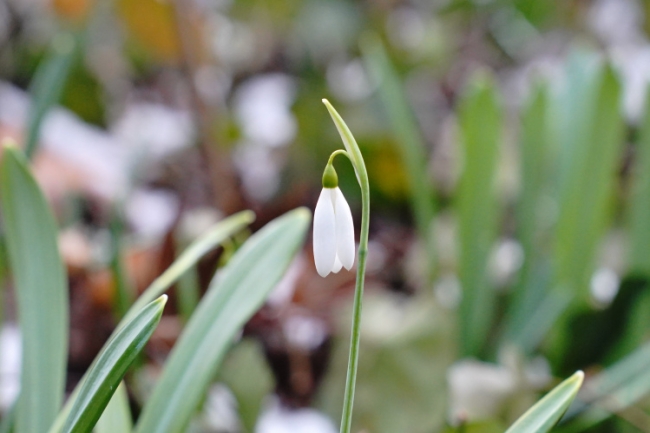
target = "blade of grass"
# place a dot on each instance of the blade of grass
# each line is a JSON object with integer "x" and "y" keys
{"x": 123, "y": 288}
{"x": 234, "y": 295}
{"x": 586, "y": 192}
{"x": 409, "y": 139}
{"x": 588, "y": 185}
{"x": 109, "y": 367}
{"x": 117, "y": 415}
{"x": 48, "y": 83}
{"x": 219, "y": 233}
{"x": 533, "y": 277}
{"x": 41, "y": 289}
{"x": 214, "y": 237}
{"x": 547, "y": 412}
{"x": 480, "y": 133}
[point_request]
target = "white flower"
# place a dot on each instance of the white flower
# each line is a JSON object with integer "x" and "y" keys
{"x": 333, "y": 233}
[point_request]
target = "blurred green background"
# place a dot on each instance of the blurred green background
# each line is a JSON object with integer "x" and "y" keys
{"x": 508, "y": 149}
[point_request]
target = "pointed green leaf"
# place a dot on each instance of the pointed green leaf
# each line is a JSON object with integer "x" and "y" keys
{"x": 234, "y": 295}
{"x": 213, "y": 238}
{"x": 350, "y": 144}
{"x": 533, "y": 281}
{"x": 188, "y": 258}
{"x": 41, "y": 288}
{"x": 547, "y": 412}
{"x": 592, "y": 140}
{"x": 108, "y": 369}
{"x": 48, "y": 84}
{"x": 477, "y": 207}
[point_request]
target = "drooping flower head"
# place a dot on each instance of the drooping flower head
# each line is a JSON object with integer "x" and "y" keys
{"x": 333, "y": 227}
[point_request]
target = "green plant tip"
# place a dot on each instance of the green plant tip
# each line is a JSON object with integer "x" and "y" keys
{"x": 330, "y": 178}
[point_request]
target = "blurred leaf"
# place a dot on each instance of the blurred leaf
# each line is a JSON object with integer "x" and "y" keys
{"x": 48, "y": 83}
{"x": 250, "y": 379}
{"x": 109, "y": 367}
{"x": 592, "y": 141}
{"x": 41, "y": 289}
{"x": 411, "y": 145}
{"x": 547, "y": 412}
{"x": 84, "y": 95}
{"x": 533, "y": 277}
{"x": 407, "y": 345}
{"x": 477, "y": 207}
{"x": 639, "y": 214}
{"x": 117, "y": 415}
{"x": 234, "y": 295}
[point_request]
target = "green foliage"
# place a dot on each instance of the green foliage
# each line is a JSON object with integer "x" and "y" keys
{"x": 48, "y": 84}
{"x": 41, "y": 290}
{"x": 548, "y": 411}
{"x": 234, "y": 295}
{"x": 477, "y": 207}
{"x": 412, "y": 149}
{"x": 108, "y": 369}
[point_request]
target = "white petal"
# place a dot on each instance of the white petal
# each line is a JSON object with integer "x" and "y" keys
{"x": 324, "y": 233}
{"x": 344, "y": 230}
{"x": 337, "y": 265}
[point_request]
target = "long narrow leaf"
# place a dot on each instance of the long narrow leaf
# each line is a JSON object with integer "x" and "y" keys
{"x": 109, "y": 367}
{"x": 234, "y": 295}
{"x": 42, "y": 291}
{"x": 588, "y": 182}
{"x": 533, "y": 277}
{"x": 214, "y": 237}
{"x": 410, "y": 142}
{"x": 547, "y": 412}
{"x": 210, "y": 240}
{"x": 480, "y": 130}
{"x": 48, "y": 84}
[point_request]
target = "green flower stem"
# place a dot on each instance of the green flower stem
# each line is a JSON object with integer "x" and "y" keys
{"x": 336, "y": 153}
{"x": 354, "y": 154}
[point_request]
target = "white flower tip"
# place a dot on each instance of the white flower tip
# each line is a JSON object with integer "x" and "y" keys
{"x": 334, "y": 246}
{"x": 337, "y": 265}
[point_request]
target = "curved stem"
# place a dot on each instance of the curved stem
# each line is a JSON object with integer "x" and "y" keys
{"x": 354, "y": 154}
{"x": 339, "y": 152}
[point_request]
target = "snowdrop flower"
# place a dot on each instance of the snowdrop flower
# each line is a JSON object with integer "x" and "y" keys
{"x": 333, "y": 228}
